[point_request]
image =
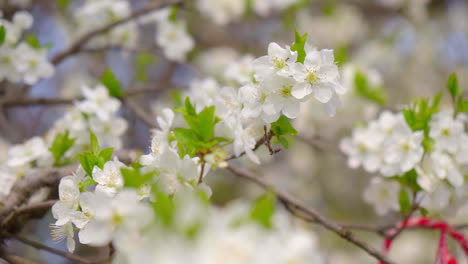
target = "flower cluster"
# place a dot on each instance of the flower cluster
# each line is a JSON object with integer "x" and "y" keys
{"x": 387, "y": 145}
{"x": 283, "y": 81}
{"x": 23, "y": 60}
{"x": 191, "y": 229}
{"x": 104, "y": 197}
{"x": 225, "y": 11}
{"x": 422, "y": 149}
{"x": 97, "y": 113}
{"x": 171, "y": 34}
{"x": 70, "y": 136}
{"x": 95, "y": 14}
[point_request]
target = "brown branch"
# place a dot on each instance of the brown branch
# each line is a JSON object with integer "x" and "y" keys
{"x": 319, "y": 143}
{"x": 12, "y": 259}
{"x": 141, "y": 113}
{"x": 33, "y": 181}
{"x": 258, "y": 144}
{"x": 70, "y": 256}
{"x": 317, "y": 217}
{"x": 76, "y": 46}
{"x": 30, "y": 208}
{"x": 8, "y": 102}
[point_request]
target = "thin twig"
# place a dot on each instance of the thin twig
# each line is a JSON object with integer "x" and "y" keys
{"x": 76, "y": 46}
{"x": 294, "y": 203}
{"x": 20, "y": 102}
{"x": 319, "y": 143}
{"x": 54, "y": 251}
{"x": 140, "y": 113}
{"x": 29, "y": 208}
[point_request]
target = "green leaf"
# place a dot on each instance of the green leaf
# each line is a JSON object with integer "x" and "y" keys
{"x": 88, "y": 161}
{"x": 424, "y": 212}
{"x": 63, "y": 4}
{"x": 61, "y": 144}
{"x": 109, "y": 80}
{"x": 206, "y": 123}
{"x": 104, "y": 156}
{"x": 375, "y": 94}
{"x": 189, "y": 107}
{"x": 329, "y": 9}
{"x": 33, "y": 41}
{"x": 2, "y": 34}
{"x": 173, "y": 13}
{"x": 299, "y": 46}
{"x": 462, "y": 106}
{"x": 283, "y": 126}
{"x": 96, "y": 157}
{"x": 187, "y": 140}
{"x": 419, "y": 113}
{"x": 263, "y": 209}
{"x": 452, "y": 86}
{"x": 164, "y": 208}
{"x": 404, "y": 201}
{"x": 283, "y": 141}
{"x": 410, "y": 180}
{"x": 341, "y": 54}
{"x": 142, "y": 61}
{"x": 133, "y": 177}
{"x": 94, "y": 144}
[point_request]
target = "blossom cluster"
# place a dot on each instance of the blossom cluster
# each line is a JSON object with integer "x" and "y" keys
{"x": 171, "y": 33}
{"x": 23, "y": 60}
{"x": 195, "y": 231}
{"x": 436, "y": 157}
{"x": 104, "y": 197}
{"x": 225, "y": 11}
{"x": 95, "y": 113}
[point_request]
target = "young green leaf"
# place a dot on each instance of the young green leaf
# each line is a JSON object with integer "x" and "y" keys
{"x": 462, "y": 106}
{"x": 63, "y": 4}
{"x": 88, "y": 161}
{"x": 362, "y": 87}
{"x": 109, "y": 80}
{"x": 299, "y": 46}
{"x": 33, "y": 41}
{"x": 134, "y": 178}
{"x": 404, "y": 201}
{"x": 61, "y": 144}
{"x": 96, "y": 157}
{"x": 452, "y": 86}
{"x": 142, "y": 61}
{"x": 94, "y": 143}
{"x": 164, "y": 208}
{"x": 104, "y": 156}
{"x": 206, "y": 123}
{"x": 263, "y": 209}
{"x": 281, "y": 128}
{"x": 2, "y": 34}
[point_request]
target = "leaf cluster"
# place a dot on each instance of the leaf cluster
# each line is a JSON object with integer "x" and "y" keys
{"x": 61, "y": 144}
{"x": 199, "y": 137}
{"x": 95, "y": 157}
{"x": 281, "y": 128}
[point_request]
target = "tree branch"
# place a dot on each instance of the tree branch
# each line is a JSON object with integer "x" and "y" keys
{"x": 54, "y": 251}
{"x": 318, "y": 218}
{"x": 76, "y": 46}
{"x": 33, "y": 181}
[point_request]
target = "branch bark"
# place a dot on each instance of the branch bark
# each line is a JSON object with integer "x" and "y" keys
{"x": 292, "y": 202}
{"x": 76, "y": 46}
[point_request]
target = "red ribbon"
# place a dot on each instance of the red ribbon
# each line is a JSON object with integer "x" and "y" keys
{"x": 443, "y": 254}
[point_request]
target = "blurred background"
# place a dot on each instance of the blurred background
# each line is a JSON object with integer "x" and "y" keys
{"x": 404, "y": 48}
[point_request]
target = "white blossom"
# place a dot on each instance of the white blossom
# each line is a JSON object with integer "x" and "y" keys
{"x": 383, "y": 194}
